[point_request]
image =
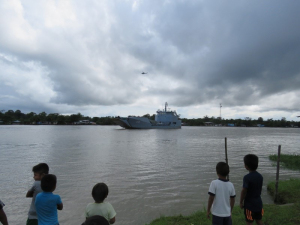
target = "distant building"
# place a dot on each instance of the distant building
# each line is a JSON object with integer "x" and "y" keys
{"x": 209, "y": 124}
{"x": 82, "y": 122}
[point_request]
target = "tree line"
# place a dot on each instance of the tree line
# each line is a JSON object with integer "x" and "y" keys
{"x": 13, "y": 117}
{"x": 245, "y": 122}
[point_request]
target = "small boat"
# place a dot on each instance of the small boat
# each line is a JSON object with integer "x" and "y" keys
{"x": 164, "y": 119}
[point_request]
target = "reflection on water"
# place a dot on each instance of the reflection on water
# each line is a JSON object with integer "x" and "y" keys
{"x": 149, "y": 172}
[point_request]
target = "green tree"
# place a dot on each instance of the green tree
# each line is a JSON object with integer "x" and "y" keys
{"x": 152, "y": 117}
{"x": 260, "y": 120}
{"x": 19, "y": 115}
{"x": 42, "y": 117}
{"x": 52, "y": 118}
{"x": 30, "y": 118}
{"x": 75, "y": 118}
{"x": 61, "y": 119}
{"x": 147, "y": 115}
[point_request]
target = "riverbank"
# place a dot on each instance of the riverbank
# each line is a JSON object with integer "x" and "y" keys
{"x": 287, "y": 214}
{"x": 274, "y": 215}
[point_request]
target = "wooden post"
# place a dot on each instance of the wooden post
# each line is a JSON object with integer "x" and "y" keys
{"x": 226, "y": 159}
{"x": 277, "y": 174}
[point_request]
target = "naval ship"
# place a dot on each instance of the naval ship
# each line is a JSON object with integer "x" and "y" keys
{"x": 164, "y": 119}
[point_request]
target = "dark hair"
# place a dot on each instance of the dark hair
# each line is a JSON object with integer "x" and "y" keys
{"x": 96, "y": 220}
{"x": 251, "y": 161}
{"x": 41, "y": 168}
{"x": 48, "y": 183}
{"x": 222, "y": 169}
{"x": 100, "y": 192}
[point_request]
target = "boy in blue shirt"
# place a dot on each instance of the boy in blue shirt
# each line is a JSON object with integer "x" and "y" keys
{"x": 39, "y": 171}
{"x": 47, "y": 203}
{"x": 250, "y": 196}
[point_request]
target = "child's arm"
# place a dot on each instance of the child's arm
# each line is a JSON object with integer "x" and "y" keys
{"x": 209, "y": 204}
{"x": 232, "y": 201}
{"x": 3, "y": 218}
{"x": 60, "y": 206}
{"x": 29, "y": 194}
{"x": 112, "y": 220}
{"x": 243, "y": 195}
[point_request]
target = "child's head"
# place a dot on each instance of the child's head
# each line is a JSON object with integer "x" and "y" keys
{"x": 40, "y": 170}
{"x": 100, "y": 192}
{"x": 222, "y": 169}
{"x": 48, "y": 183}
{"x": 251, "y": 162}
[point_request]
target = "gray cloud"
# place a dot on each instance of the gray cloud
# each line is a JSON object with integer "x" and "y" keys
{"x": 92, "y": 53}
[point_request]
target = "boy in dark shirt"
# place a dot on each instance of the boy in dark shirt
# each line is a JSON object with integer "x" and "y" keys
{"x": 250, "y": 196}
{"x": 3, "y": 218}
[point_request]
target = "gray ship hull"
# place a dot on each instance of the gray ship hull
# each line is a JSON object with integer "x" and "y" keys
{"x": 164, "y": 119}
{"x": 145, "y": 123}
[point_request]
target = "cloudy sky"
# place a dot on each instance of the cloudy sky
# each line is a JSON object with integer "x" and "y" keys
{"x": 87, "y": 56}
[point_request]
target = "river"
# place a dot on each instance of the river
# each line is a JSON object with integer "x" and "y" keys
{"x": 149, "y": 172}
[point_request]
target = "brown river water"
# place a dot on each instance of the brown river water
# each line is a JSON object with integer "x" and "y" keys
{"x": 149, "y": 173}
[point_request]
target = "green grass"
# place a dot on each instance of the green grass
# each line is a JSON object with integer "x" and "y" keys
{"x": 288, "y": 161}
{"x": 274, "y": 215}
{"x": 288, "y": 191}
{"x": 196, "y": 219}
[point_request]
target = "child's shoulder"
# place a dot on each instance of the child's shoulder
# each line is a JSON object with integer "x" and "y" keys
{"x": 221, "y": 182}
{"x": 56, "y": 195}
{"x": 253, "y": 175}
{"x": 36, "y": 183}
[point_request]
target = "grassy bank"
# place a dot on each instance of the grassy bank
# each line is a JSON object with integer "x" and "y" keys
{"x": 288, "y": 161}
{"x": 274, "y": 215}
{"x": 288, "y": 191}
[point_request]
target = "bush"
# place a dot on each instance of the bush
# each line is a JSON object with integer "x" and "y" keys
{"x": 288, "y": 161}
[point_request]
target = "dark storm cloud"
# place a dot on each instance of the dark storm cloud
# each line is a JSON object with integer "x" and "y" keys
{"x": 252, "y": 46}
{"x": 92, "y": 53}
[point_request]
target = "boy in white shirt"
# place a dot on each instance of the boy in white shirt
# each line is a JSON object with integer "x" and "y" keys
{"x": 221, "y": 197}
{"x": 39, "y": 171}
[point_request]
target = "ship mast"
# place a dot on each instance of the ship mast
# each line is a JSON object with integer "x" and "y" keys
{"x": 166, "y": 105}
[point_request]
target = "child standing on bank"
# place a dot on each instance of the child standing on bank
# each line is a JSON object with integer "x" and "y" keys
{"x": 39, "y": 171}
{"x": 47, "y": 203}
{"x": 250, "y": 196}
{"x": 221, "y": 197}
{"x": 99, "y": 207}
{"x": 3, "y": 218}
